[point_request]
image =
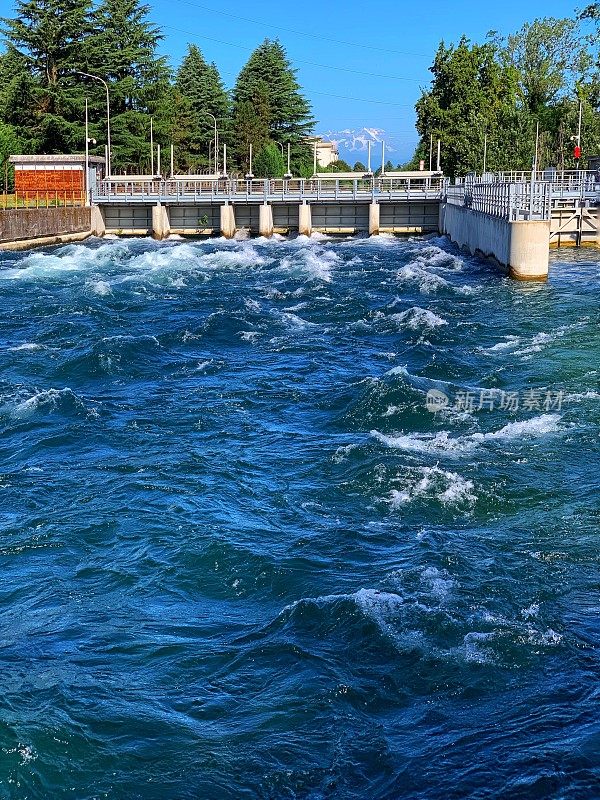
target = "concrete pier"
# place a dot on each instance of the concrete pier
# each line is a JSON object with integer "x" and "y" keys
{"x": 521, "y": 246}
{"x": 227, "y": 221}
{"x": 304, "y": 219}
{"x": 97, "y": 222}
{"x": 160, "y": 222}
{"x": 528, "y": 258}
{"x": 373, "y": 219}
{"x": 265, "y": 220}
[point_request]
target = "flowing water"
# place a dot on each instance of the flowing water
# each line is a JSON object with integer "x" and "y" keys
{"x": 242, "y": 558}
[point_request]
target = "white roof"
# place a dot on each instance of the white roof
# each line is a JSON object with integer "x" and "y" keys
{"x": 59, "y": 158}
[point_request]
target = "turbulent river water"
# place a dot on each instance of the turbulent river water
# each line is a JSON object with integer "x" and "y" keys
{"x": 242, "y": 558}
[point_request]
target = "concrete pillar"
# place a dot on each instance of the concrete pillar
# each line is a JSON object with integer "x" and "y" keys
{"x": 529, "y": 250}
{"x": 374, "y": 219}
{"x": 304, "y": 220}
{"x": 227, "y": 221}
{"x": 160, "y": 221}
{"x": 265, "y": 220}
{"x": 598, "y": 227}
{"x": 97, "y": 225}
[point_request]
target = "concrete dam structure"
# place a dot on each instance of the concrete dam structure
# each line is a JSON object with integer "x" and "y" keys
{"x": 512, "y": 218}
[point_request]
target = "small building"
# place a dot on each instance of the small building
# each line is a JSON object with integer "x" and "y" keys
{"x": 327, "y": 152}
{"x": 42, "y": 174}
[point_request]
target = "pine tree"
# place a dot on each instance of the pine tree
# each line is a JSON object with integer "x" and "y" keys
{"x": 268, "y": 73}
{"x": 49, "y": 37}
{"x": 269, "y": 162}
{"x": 251, "y": 123}
{"x": 201, "y": 85}
{"x": 122, "y": 50}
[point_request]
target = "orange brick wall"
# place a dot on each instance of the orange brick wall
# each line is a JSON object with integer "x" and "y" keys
{"x": 48, "y": 180}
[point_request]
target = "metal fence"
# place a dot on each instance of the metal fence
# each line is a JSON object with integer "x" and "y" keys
{"x": 510, "y": 201}
{"x": 182, "y": 189}
{"x": 42, "y": 199}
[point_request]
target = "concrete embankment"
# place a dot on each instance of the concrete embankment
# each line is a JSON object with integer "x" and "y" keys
{"x": 21, "y": 228}
{"x": 522, "y": 246}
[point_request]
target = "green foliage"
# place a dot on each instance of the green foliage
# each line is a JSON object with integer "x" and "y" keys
{"x": 336, "y": 166}
{"x": 9, "y": 144}
{"x": 200, "y": 86}
{"x": 359, "y": 167}
{"x": 122, "y": 51}
{"x": 47, "y": 41}
{"x": 269, "y": 162}
{"x": 502, "y": 90}
{"x": 267, "y": 85}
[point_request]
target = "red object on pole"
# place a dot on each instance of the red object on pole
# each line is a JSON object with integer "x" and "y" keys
{"x": 577, "y": 152}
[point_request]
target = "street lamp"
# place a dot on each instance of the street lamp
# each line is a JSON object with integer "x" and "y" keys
{"x": 288, "y": 174}
{"x": 216, "y": 141}
{"x": 101, "y": 80}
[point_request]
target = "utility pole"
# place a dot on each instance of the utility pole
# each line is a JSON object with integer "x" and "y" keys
{"x": 86, "y": 183}
{"x": 484, "y": 152}
{"x": 108, "y": 149}
{"x": 382, "y": 158}
{"x": 151, "y": 148}
{"x": 537, "y": 136}
{"x": 439, "y": 153}
{"x": 430, "y": 151}
{"x": 369, "y": 156}
{"x": 578, "y": 149}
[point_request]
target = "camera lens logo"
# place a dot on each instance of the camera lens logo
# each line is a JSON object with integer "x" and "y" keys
{"x": 436, "y": 400}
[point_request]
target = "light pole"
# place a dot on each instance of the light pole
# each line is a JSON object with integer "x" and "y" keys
{"x": 579, "y": 132}
{"x": 215, "y": 139}
{"x": 101, "y": 80}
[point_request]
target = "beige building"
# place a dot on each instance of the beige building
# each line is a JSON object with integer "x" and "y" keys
{"x": 327, "y": 152}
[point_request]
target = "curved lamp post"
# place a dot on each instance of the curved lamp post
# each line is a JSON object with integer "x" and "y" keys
{"x": 101, "y": 80}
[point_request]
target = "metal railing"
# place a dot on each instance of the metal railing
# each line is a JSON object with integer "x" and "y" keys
{"x": 42, "y": 199}
{"x": 197, "y": 190}
{"x": 510, "y": 201}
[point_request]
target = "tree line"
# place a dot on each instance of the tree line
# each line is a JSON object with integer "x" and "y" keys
{"x": 50, "y": 43}
{"x": 493, "y": 100}
{"x": 487, "y": 102}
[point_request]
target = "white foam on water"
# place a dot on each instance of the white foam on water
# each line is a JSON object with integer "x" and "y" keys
{"x": 101, "y": 288}
{"x": 27, "y": 346}
{"x": 577, "y": 397}
{"x": 316, "y": 263}
{"x": 294, "y": 321}
{"x": 47, "y": 399}
{"x": 249, "y": 336}
{"x": 449, "y": 488}
{"x": 429, "y": 255}
{"x": 252, "y": 305}
{"x": 438, "y": 581}
{"x": 443, "y": 443}
{"x": 417, "y": 318}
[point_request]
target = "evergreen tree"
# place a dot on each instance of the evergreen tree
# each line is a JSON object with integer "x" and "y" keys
{"x": 48, "y": 38}
{"x": 269, "y": 162}
{"x": 251, "y": 123}
{"x": 268, "y": 73}
{"x": 201, "y": 86}
{"x": 472, "y": 94}
{"x": 122, "y": 51}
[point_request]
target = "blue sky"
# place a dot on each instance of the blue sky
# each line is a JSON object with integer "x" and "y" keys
{"x": 361, "y": 64}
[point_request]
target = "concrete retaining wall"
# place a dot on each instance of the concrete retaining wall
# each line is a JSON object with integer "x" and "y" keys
{"x": 43, "y": 225}
{"x": 521, "y": 246}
